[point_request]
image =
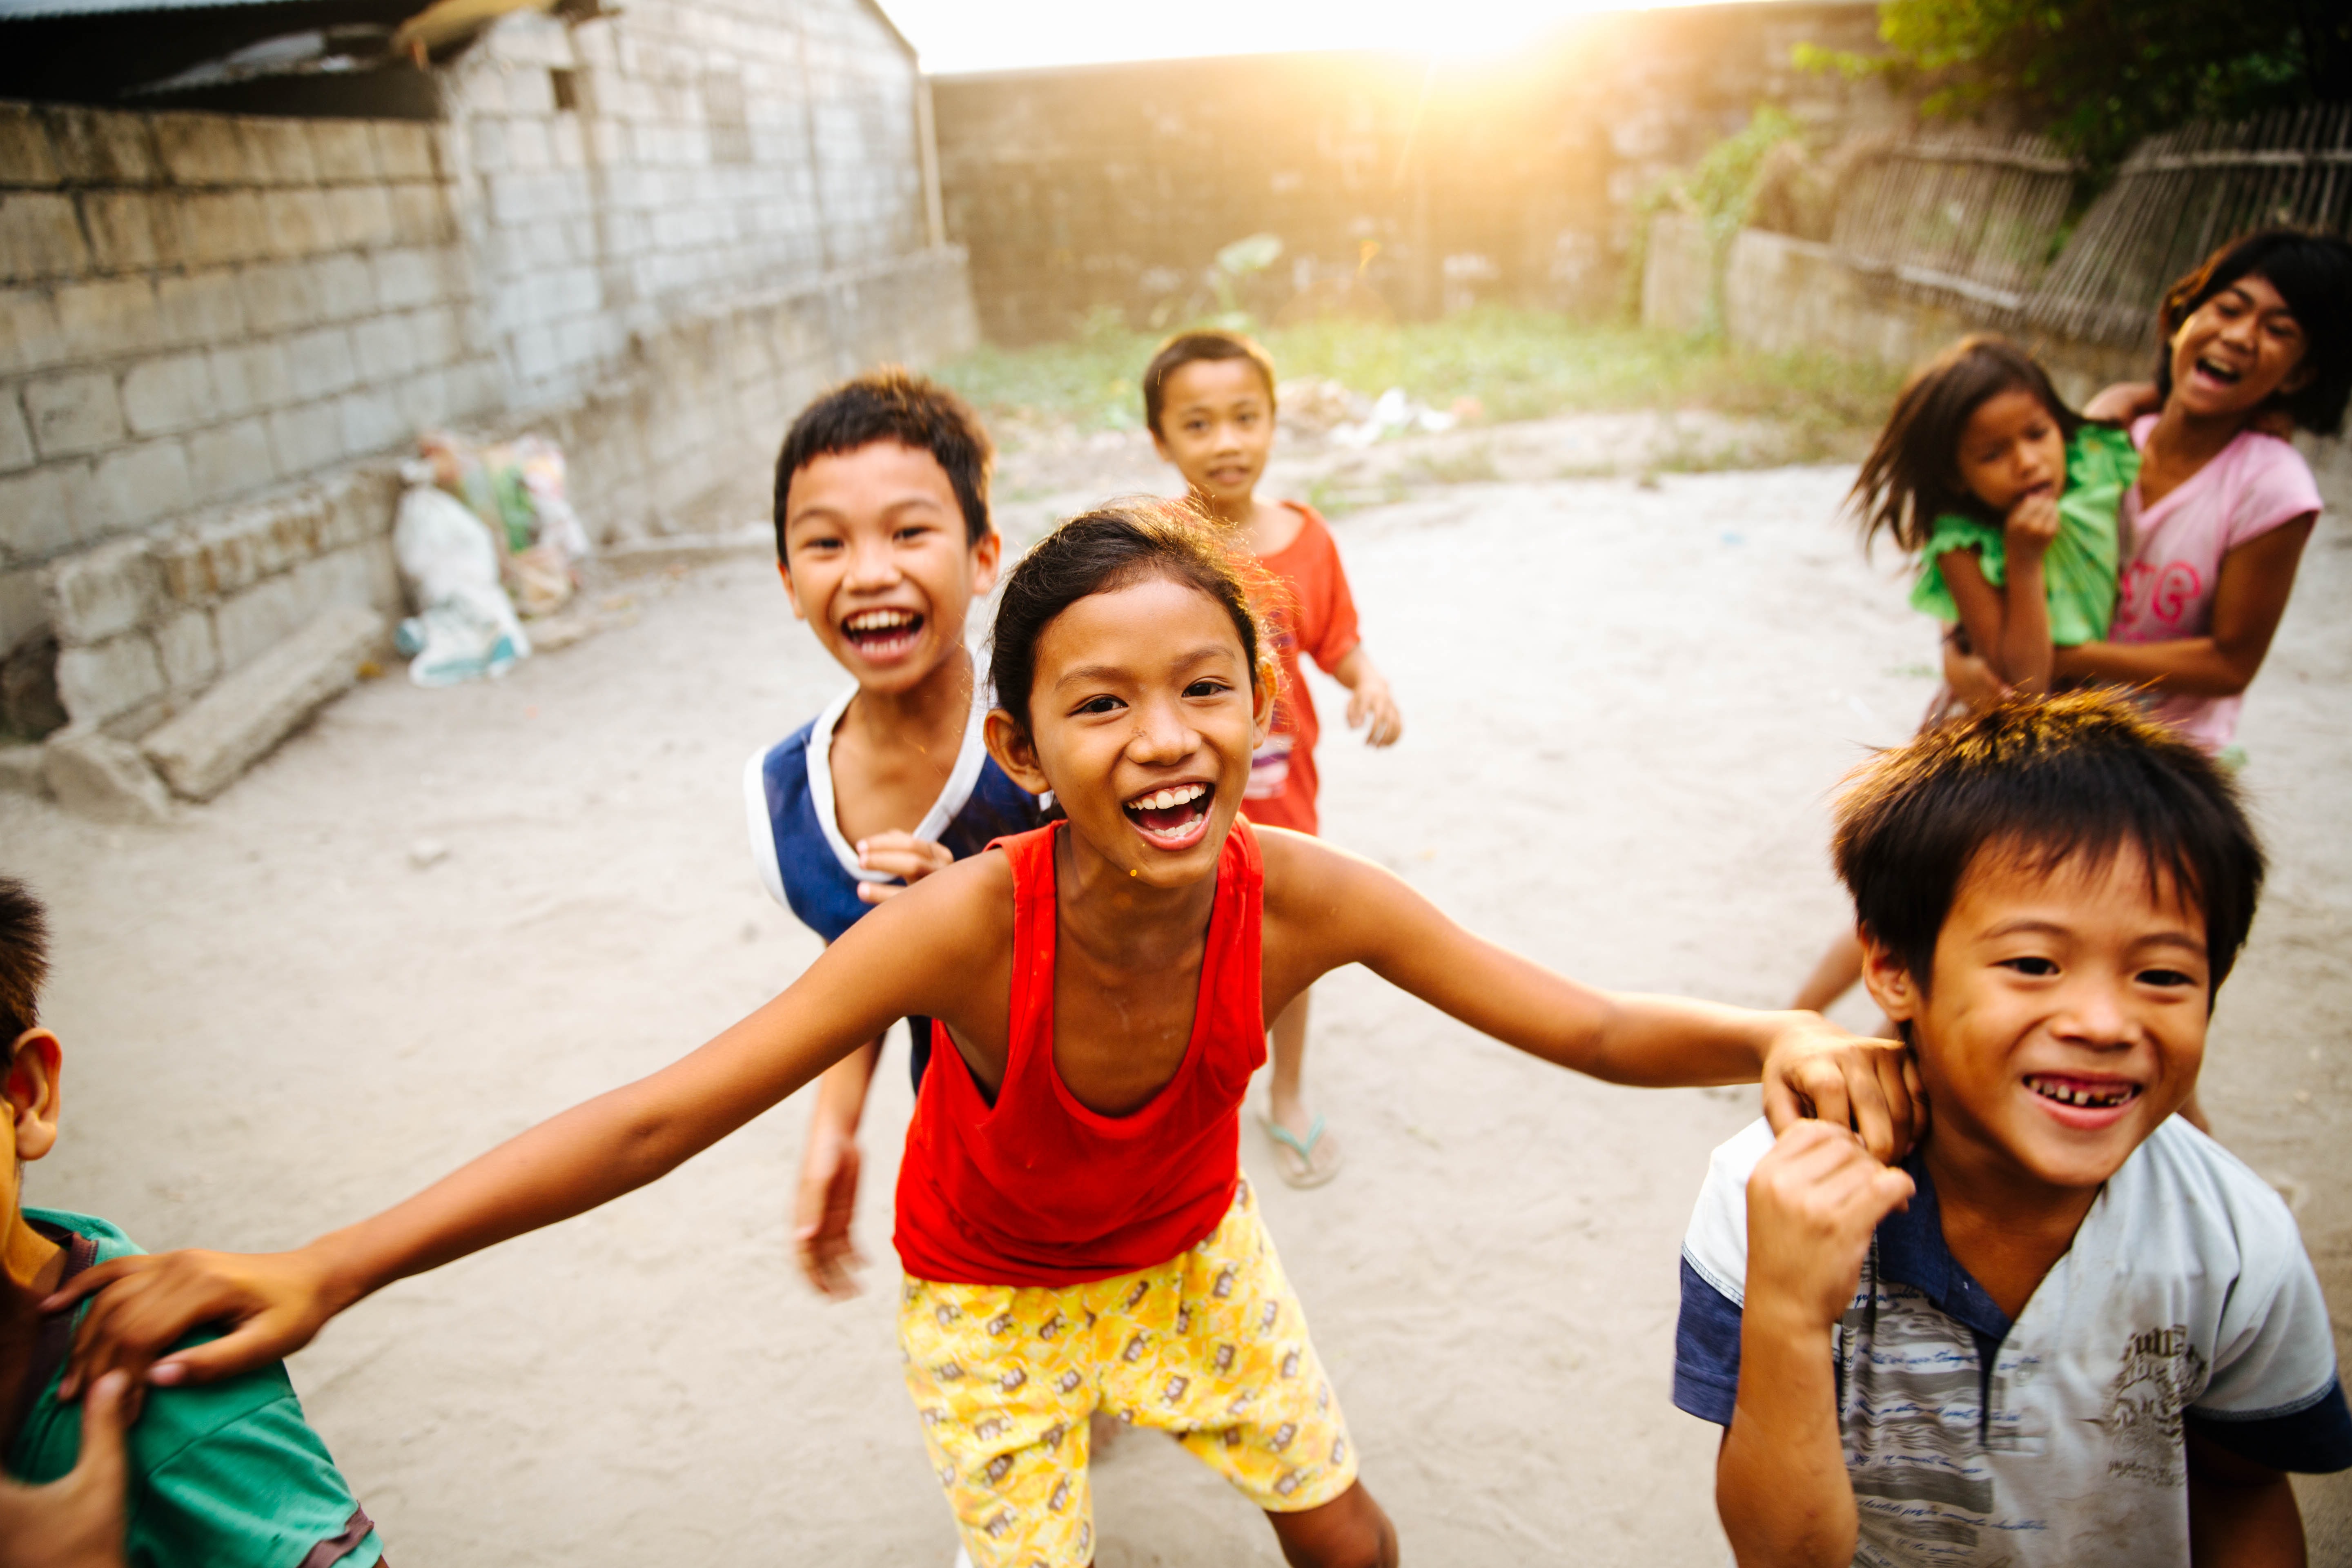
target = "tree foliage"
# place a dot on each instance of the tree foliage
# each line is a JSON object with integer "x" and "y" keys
{"x": 2099, "y": 75}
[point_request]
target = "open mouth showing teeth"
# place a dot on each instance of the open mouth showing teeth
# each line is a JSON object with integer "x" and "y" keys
{"x": 1170, "y": 812}
{"x": 882, "y": 631}
{"x": 2217, "y": 372}
{"x": 2083, "y": 1096}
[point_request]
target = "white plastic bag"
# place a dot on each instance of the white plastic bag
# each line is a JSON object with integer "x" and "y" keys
{"x": 465, "y": 627}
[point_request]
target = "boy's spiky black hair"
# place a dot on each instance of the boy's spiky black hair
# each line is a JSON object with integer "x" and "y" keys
{"x": 2075, "y": 777}
{"x": 893, "y": 404}
{"x": 24, "y": 959}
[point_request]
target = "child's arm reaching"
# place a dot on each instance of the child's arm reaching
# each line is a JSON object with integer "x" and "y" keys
{"x": 922, "y": 955}
{"x": 2256, "y": 580}
{"x": 1369, "y": 701}
{"x": 1781, "y": 1484}
{"x": 1326, "y": 909}
{"x": 2009, "y": 626}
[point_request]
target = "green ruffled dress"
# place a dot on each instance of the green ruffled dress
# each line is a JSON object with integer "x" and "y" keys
{"x": 2078, "y": 569}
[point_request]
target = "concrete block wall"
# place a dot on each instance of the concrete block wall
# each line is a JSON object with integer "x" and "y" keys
{"x": 195, "y": 308}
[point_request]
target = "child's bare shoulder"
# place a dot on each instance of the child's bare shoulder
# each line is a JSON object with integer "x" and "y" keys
{"x": 1306, "y": 878}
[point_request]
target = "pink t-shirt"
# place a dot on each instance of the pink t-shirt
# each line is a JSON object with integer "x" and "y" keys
{"x": 2173, "y": 553}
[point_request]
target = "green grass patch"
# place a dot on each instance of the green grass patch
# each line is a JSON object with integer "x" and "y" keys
{"x": 1518, "y": 364}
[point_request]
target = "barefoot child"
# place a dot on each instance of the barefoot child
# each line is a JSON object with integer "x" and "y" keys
{"x": 1074, "y": 1230}
{"x": 228, "y": 1474}
{"x": 883, "y": 540}
{"x": 2008, "y": 499}
{"x": 1209, "y": 400}
{"x": 2091, "y": 1337}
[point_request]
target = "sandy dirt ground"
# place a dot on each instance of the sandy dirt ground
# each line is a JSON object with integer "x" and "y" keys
{"x": 1626, "y": 706}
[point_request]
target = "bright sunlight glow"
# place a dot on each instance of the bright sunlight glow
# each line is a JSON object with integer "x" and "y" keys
{"x": 1009, "y": 34}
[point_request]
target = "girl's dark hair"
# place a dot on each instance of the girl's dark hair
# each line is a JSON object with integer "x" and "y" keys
{"x": 893, "y": 404}
{"x": 1912, "y": 476}
{"x": 2312, "y": 273}
{"x": 1191, "y": 348}
{"x": 2053, "y": 779}
{"x": 1101, "y": 552}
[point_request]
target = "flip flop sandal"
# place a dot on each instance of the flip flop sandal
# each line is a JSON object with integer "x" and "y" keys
{"x": 1295, "y": 1157}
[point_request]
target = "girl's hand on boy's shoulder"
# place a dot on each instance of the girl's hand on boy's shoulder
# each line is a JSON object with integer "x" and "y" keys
{"x": 898, "y": 855}
{"x": 1815, "y": 1070}
{"x": 2123, "y": 402}
{"x": 273, "y": 1303}
{"x": 1813, "y": 1201}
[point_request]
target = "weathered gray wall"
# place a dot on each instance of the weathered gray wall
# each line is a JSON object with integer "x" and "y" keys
{"x": 1115, "y": 185}
{"x": 654, "y": 233}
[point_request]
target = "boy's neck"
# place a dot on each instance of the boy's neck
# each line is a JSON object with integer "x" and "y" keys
{"x": 936, "y": 706}
{"x": 2006, "y": 1226}
{"x": 31, "y": 1261}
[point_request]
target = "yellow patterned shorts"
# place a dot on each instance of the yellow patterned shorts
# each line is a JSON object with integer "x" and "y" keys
{"x": 1210, "y": 1346}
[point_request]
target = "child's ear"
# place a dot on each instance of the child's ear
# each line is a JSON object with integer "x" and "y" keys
{"x": 1265, "y": 680}
{"x": 1890, "y": 982}
{"x": 785, "y": 572}
{"x": 1014, "y": 751}
{"x": 31, "y": 1088}
{"x": 986, "y": 555}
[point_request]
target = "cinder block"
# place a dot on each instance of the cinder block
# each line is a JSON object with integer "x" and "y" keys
{"x": 30, "y": 338}
{"x": 39, "y": 237}
{"x": 103, "y": 593}
{"x": 420, "y": 215}
{"x": 129, "y": 230}
{"x": 100, "y": 683}
{"x": 112, "y": 316}
{"x": 231, "y": 551}
{"x": 301, "y": 222}
{"x": 24, "y": 608}
{"x": 218, "y": 227}
{"x": 238, "y": 722}
{"x": 184, "y": 645}
{"x": 404, "y": 149}
{"x": 199, "y": 148}
{"x": 434, "y": 333}
{"x": 77, "y": 412}
{"x": 25, "y": 155}
{"x": 251, "y": 377}
{"x": 345, "y": 287}
{"x": 372, "y": 420}
{"x": 475, "y": 386}
{"x": 160, "y": 396}
{"x": 37, "y": 512}
{"x": 230, "y": 460}
{"x": 247, "y": 625}
{"x": 103, "y": 146}
{"x": 15, "y": 437}
{"x": 526, "y": 147}
{"x": 96, "y": 775}
{"x": 424, "y": 400}
{"x": 387, "y": 347}
{"x": 200, "y": 309}
{"x": 279, "y": 296}
{"x": 362, "y": 217}
{"x": 277, "y": 152}
{"x": 321, "y": 362}
{"x": 359, "y": 505}
{"x": 344, "y": 151}
{"x": 407, "y": 278}
{"x": 305, "y": 437}
{"x": 137, "y": 485}
{"x": 21, "y": 771}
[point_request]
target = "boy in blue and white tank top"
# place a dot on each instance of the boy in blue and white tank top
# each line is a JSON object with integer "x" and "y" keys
{"x": 883, "y": 540}
{"x": 2069, "y": 1329}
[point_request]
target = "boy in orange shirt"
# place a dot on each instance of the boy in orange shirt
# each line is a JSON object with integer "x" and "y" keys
{"x": 1209, "y": 399}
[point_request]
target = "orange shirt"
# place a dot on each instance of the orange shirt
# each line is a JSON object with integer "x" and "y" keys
{"x": 1309, "y": 610}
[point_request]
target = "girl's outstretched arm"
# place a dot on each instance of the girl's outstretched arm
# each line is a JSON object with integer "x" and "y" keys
{"x": 1326, "y": 909}
{"x": 900, "y": 959}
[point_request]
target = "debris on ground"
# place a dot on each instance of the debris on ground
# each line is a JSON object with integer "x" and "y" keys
{"x": 1393, "y": 414}
{"x": 465, "y": 626}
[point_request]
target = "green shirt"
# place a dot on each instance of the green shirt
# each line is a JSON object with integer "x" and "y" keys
{"x": 2078, "y": 569}
{"x": 224, "y": 1475}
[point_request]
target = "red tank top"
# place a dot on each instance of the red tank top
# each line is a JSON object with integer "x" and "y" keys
{"x": 1039, "y": 1190}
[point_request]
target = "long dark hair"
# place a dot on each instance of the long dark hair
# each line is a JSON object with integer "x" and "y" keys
{"x": 2312, "y": 273}
{"x": 1912, "y": 476}
{"x": 1100, "y": 552}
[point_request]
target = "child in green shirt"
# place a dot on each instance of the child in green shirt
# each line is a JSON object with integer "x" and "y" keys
{"x": 227, "y": 1475}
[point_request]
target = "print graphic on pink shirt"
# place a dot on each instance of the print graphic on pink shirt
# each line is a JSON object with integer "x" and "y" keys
{"x": 2176, "y": 548}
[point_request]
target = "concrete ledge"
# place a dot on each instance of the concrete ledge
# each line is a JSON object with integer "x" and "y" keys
{"x": 239, "y": 721}
{"x": 96, "y": 775}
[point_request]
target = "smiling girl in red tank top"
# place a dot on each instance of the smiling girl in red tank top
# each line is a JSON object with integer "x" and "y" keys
{"x": 1075, "y": 1230}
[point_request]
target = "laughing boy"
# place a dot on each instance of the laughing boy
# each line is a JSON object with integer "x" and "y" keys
{"x": 2070, "y": 1328}
{"x": 884, "y": 541}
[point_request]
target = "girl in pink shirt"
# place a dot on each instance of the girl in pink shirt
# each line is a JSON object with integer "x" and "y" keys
{"x": 2215, "y": 526}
